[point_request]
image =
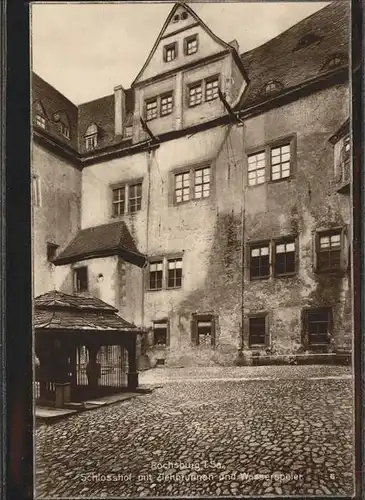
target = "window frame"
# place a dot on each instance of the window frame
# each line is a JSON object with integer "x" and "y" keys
{"x": 285, "y": 240}
{"x": 211, "y": 79}
{"x": 194, "y": 85}
{"x": 65, "y": 131}
{"x": 257, "y": 315}
{"x": 278, "y": 145}
{"x": 171, "y": 46}
{"x": 146, "y": 103}
{"x": 189, "y": 39}
{"x": 203, "y": 317}
{"x": 191, "y": 171}
{"x": 256, "y": 152}
{"x": 164, "y": 321}
{"x": 166, "y": 96}
{"x": 305, "y": 327}
{"x": 75, "y": 279}
{"x": 51, "y": 247}
{"x": 330, "y": 232}
{"x": 155, "y": 261}
{"x": 127, "y": 189}
{"x": 255, "y": 245}
{"x": 41, "y": 121}
{"x": 164, "y": 259}
{"x": 173, "y": 259}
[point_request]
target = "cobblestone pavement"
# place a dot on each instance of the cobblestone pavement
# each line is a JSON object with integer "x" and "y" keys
{"x": 209, "y": 436}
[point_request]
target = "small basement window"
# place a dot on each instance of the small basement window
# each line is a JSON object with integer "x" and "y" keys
{"x": 318, "y": 325}
{"x": 203, "y": 330}
{"x": 81, "y": 279}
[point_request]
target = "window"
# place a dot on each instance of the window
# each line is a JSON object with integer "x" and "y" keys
{"x": 280, "y": 162}
{"x": 256, "y": 168}
{"x": 334, "y": 62}
{"x": 318, "y": 326}
{"x": 36, "y": 190}
{"x": 307, "y": 40}
{"x": 91, "y": 137}
{"x": 202, "y": 182}
{"x": 182, "y": 187}
{"x": 257, "y": 336}
{"x": 135, "y": 197}
{"x": 211, "y": 89}
{"x": 170, "y": 52}
{"x": 156, "y": 272}
{"x": 151, "y": 109}
{"x": 346, "y": 158}
{"x": 51, "y": 251}
{"x": 203, "y": 330}
{"x": 260, "y": 261}
{"x": 128, "y": 132}
{"x": 193, "y": 184}
{"x": 65, "y": 131}
{"x": 119, "y": 204}
{"x": 166, "y": 105}
{"x": 329, "y": 251}
{"x": 272, "y": 86}
{"x": 40, "y": 120}
{"x": 176, "y": 18}
{"x": 284, "y": 258}
{"x": 191, "y": 45}
{"x": 160, "y": 332}
{"x": 195, "y": 95}
{"x": 126, "y": 199}
{"x": 174, "y": 273}
{"x": 184, "y": 15}
{"x": 81, "y": 279}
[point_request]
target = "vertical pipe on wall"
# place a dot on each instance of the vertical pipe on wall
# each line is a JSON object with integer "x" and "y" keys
{"x": 243, "y": 221}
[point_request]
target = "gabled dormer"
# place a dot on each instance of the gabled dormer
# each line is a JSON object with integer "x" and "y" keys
{"x": 177, "y": 86}
{"x": 63, "y": 121}
{"x": 40, "y": 117}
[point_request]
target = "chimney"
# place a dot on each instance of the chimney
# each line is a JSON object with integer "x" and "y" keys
{"x": 119, "y": 109}
{"x": 235, "y": 45}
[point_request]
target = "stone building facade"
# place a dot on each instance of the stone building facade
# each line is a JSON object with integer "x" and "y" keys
{"x": 220, "y": 222}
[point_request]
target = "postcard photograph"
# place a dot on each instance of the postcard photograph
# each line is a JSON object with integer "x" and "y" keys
{"x": 191, "y": 176}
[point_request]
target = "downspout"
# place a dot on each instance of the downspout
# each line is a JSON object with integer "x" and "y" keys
{"x": 149, "y": 162}
{"x": 243, "y": 224}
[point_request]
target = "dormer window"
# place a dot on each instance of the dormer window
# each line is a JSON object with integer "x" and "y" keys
{"x": 307, "y": 40}
{"x": 272, "y": 86}
{"x": 334, "y": 62}
{"x": 170, "y": 52}
{"x": 40, "y": 120}
{"x": 91, "y": 137}
{"x": 65, "y": 131}
{"x": 191, "y": 45}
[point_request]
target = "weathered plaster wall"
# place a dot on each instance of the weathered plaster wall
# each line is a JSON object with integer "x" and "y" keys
{"x": 57, "y": 220}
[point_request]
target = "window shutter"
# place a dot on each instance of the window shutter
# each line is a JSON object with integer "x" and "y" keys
{"x": 213, "y": 331}
{"x": 168, "y": 333}
{"x": 315, "y": 246}
{"x": 344, "y": 251}
{"x": 194, "y": 332}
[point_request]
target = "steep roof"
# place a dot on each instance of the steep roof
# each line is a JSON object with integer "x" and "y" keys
{"x": 57, "y": 109}
{"x": 103, "y": 240}
{"x": 60, "y": 311}
{"x": 286, "y": 59}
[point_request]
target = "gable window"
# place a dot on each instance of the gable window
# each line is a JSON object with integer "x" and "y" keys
{"x": 160, "y": 332}
{"x": 318, "y": 326}
{"x": 260, "y": 261}
{"x": 119, "y": 204}
{"x": 91, "y": 137}
{"x": 36, "y": 190}
{"x": 280, "y": 162}
{"x": 257, "y": 330}
{"x": 203, "y": 330}
{"x": 126, "y": 198}
{"x": 329, "y": 251}
{"x": 155, "y": 275}
{"x": 81, "y": 279}
{"x": 166, "y": 105}
{"x": 284, "y": 258}
{"x": 195, "y": 95}
{"x": 211, "y": 89}
{"x": 174, "y": 273}
{"x": 65, "y": 131}
{"x": 40, "y": 120}
{"x": 170, "y": 52}
{"x": 151, "y": 109}
{"x": 256, "y": 168}
{"x": 135, "y": 197}
{"x": 51, "y": 251}
{"x": 191, "y": 45}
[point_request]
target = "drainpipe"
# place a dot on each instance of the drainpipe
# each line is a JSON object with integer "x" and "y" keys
{"x": 243, "y": 224}
{"x": 149, "y": 163}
